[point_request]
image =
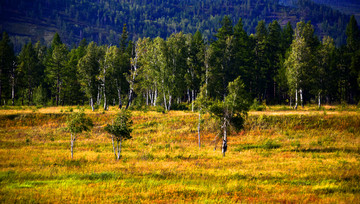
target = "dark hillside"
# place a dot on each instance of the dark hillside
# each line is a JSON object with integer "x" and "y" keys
{"x": 102, "y": 21}
{"x": 350, "y": 7}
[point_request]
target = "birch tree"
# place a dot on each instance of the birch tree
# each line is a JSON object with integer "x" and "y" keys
{"x": 89, "y": 69}
{"x": 299, "y": 64}
{"x": 108, "y": 69}
{"x": 77, "y": 123}
{"x": 120, "y": 129}
{"x": 202, "y": 103}
{"x": 196, "y": 61}
{"x": 326, "y": 53}
{"x": 140, "y": 48}
{"x": 231, "y": 112}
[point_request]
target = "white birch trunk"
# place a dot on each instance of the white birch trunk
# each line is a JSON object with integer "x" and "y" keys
{"x": 169, "y": 106}
{"x": 105, "y": 102}
{"x": 112, "y": 139}
{"x": 92, "y": 104}
{"x": 119, "y": 149}
{"x": 151, "y": 95}
{"x": 224, "y": 145}
{"x": 301, "y": 98}
{"x": 155, "y": 97}
{"x": 319, "y": 100}
{"x": 188, "y": 94}
{"x": 98, "y": 98}
{"x": 296, "y": 99}
{"x": 72, "y": 145}
{"x": 192, "y": 100}
{"x": 165, "y": 103}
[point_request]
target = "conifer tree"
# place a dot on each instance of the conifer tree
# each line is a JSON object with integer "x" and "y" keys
{"x": 29, "y": 72}
{"x": 7, "y": 67}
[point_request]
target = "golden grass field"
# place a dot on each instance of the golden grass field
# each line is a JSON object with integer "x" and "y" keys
{"x": 282, "y": 156}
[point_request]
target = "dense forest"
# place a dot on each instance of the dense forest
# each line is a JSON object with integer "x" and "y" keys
{"x": 277, "y": 65}
{"x": 101, "y": 21}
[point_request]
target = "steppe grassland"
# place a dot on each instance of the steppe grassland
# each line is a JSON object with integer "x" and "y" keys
{"x": 281, "y": 156}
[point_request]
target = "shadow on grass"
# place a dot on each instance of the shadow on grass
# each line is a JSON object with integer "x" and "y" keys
{"x": 267, "y": 144}
{"x": 327, "y": 150}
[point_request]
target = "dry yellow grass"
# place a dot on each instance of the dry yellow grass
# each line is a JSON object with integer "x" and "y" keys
{"x": 276, "y": 159}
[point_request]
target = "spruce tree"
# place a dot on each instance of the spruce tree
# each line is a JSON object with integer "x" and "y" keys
{"x": 7, "y": 66}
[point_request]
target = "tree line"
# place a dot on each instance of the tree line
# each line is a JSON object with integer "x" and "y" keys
{"x": 277, "y": 65}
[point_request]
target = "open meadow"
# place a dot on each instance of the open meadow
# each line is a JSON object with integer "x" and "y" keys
{"x": 282, "y": 155}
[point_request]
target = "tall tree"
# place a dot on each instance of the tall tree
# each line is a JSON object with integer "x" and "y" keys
{"x": 7, "y": 65}
{"x": 221, "y": 60}
{"x": 124, "y": 39}
{"x": 71, "y": 82}
{"x": 287, "y": 37}
{"x": 89, "y": 69}
{"x": 109, "y": 66}
{"x": 244, "y": 55}
{"x": 300, "y": 62}
{"x": 57, "y": 69}
{"x": 323, "y": 83}
{"x": 353, "y": 35}
{"x": 275, "y": 57}
{"x": 139, "y": 50}
{"x": 30, "y": 72}
{"x": 353, "y": 45}
{"x": 196, "y": 62}
{"x": 261, "y": 60}
{"x": 176, "y": 55}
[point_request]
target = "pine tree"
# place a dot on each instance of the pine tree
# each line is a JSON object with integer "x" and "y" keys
{"x": 274, "y": 56}
{"x": 244, "y": 55}
{"x": 7, "y": 66}
{"x": 29, "y": 72}
{"x": 353, "y": 46}
{"x": 221, "y": 60}
{"x": 353, "y": 35}
{"x": 57, "y": 70}
{"x": 261, "y": 61}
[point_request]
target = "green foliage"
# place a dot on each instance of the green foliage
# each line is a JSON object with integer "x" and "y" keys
{"x": 233, "y": 110}
{"x": 102, "y": 23}
{"x": 273, "y": 63}
{"x": 121, "y": 126}
{"x": 256, "y": 106}
{"x": 7, "y": 68}
{"x": 77, "y": 122}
